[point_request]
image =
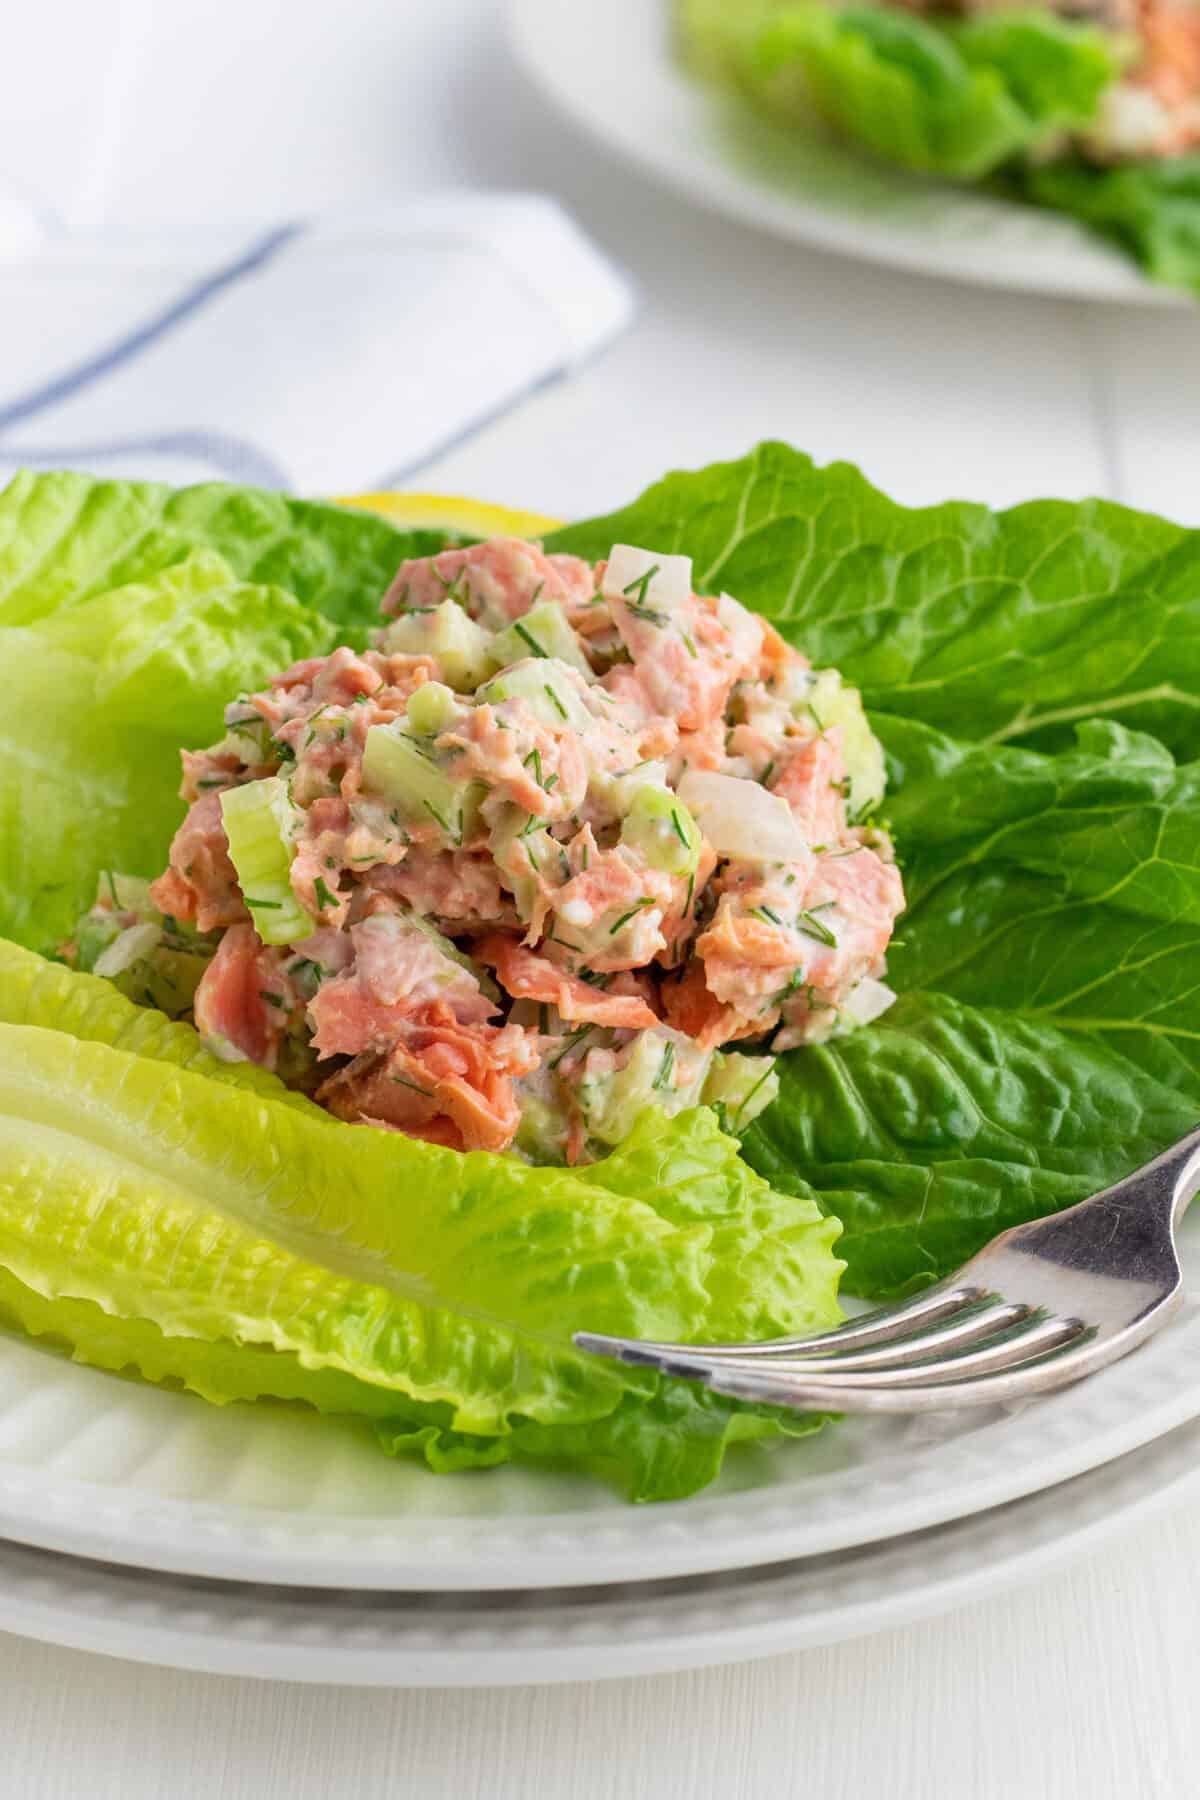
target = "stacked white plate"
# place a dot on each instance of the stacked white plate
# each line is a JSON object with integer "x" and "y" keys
{"x": 265, "y": 1541}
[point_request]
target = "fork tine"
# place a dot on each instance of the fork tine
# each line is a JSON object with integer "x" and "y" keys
{"x": 975, "y": 1379}
{"x": 986, "y": 1337}
{"x": 972, "y": 1329}
{"x": 879, "y": 1327}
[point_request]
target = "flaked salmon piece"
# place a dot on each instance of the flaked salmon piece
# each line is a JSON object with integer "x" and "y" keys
{"x": 540, "y": 769}
{"x": 495, "y": 582}
{"x": 205, "y": 771}
{"x": 703, "y": 749}
{"x": 245, "y": 1002}
{"x": 445, "y": 1082}
{"x": 397, "y": 974}
{"x": 611, "y": 913}
{"x": 686, "y": 657}
{"x": 201, "y": 883}
{"x": 1170, "y": 65}
{"x": 317, "y": 861}
{"x": 690, "y": 1008}
{"x": 460, "y": 887}
{"x": 527, "y": 976}
{"x": 861, "y": 895}
{"x": 811, "y": 777}
{"x": 777, "y": 661}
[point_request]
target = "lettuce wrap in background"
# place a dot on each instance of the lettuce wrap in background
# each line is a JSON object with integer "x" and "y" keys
{"x": 1064, "y": 107}
{"x": 1035, "y": 679}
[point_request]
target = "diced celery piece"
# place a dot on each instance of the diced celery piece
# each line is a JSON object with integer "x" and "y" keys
{"x": 406, "y": 776}
{"x": 663, "y": 1069}
{"x": 544, "y": 685}
{"x": 659, "y": 826}
{"x": 250, "y": 742}
{"x": 829, "y": 702}
{"x": 740, "y": 1086}
{"x": 518, "y": 846}
{"x": 260, "y": 821}
{"x": 616, "y": 792}
{"x": 125, "y": 893}
{"x": 543, "y": 632}
{"x": 460, "y": 647}
{"x": 431, "y": 708}
{"x": 542, "y": 1133}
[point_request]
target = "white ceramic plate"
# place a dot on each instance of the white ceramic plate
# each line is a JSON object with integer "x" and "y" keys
{"x": 610, "y": 69}
{"x": 505, "y": 1639}
{"x": 102, "y": 1467}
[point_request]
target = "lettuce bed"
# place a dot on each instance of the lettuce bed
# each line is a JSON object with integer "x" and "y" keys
{"x": 991, "y": 97}
{"x": 1035, "y": 679}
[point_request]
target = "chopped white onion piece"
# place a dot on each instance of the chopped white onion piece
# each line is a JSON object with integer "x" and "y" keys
{"x": 740, "y": 818}
{"x": 867, "y": 1001}
{"x": 744, "y": 627}
{"x": 130, "y": 947}
{"x": 669, "y": 583}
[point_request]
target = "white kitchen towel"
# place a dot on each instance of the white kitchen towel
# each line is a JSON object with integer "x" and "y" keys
{"x": 326, "y": 357}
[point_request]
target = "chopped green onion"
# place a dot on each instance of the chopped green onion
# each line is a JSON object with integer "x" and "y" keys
{"x": 645, "y": 901}
{"x": 402, "y": 1080}
{"x": 664, "y": 1068}
{"x": 640, "y": 584}
{"x": 573, "y": 1038}
{"x": 814, "y": 928}
{"x": 527, "y": 637}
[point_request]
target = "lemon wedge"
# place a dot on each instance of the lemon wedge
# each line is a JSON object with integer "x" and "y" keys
{"x": 454, "y": 512}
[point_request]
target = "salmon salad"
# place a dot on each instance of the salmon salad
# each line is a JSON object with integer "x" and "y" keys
{"x": 567, "y": 841}
{"x": 1153, "y": 109}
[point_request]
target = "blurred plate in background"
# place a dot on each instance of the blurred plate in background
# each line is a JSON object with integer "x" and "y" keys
{"x": 610, "y": 68}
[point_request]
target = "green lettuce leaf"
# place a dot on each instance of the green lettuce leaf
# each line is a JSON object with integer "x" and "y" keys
{"x": 1151, "y": 209}
{"x": 148, "y": 1215}
{"x": 1065, "y": 889}
{"x": 1009, "y": 626}
{"x": 959, "y": 98}
{"x": 65, "y": 538}
{"x": 944, "y": 1124}
{"x": 101, "y": 698}
{"x": 1044, "y": 1044}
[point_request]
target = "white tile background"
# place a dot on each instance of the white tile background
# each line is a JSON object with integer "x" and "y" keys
{"x": 170, "y": 111}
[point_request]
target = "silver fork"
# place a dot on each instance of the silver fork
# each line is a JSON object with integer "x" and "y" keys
{"x": 1040, "y": 1306}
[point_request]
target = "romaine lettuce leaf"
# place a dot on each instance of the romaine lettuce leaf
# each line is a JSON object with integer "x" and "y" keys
{"x": 100, "y": 699}
{"x": 1151, "y": 208}
{"x": 960, "y": 98}
{"x": 943, "y": 1124}
{"x": 1055, "y": 900}
{"x": 1006, "y": 627}
{"x": 67, "y": 537}
{"x": 1065, "y": 889}
{"x": 157, "y": 1206}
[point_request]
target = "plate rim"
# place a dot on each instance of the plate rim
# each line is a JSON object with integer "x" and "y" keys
{"x": 1047, "y": 1442}
{"x": 716, "y": 187}
{"x": 312, "y": 1636}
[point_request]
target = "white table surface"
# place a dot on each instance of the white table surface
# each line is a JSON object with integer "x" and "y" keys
{"x": 144, "y": 111}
